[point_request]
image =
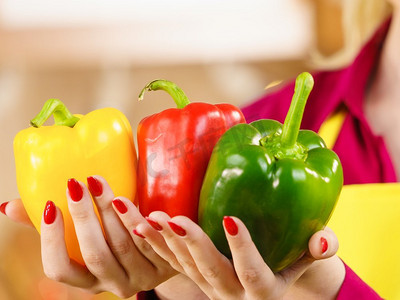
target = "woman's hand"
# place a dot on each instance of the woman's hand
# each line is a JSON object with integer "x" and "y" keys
{"x": 116, "y": 259}
{"x": 192, "y": 252}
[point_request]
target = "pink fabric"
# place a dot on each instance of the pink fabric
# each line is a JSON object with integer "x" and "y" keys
{"x": 364, "y": 156}
{"x": 354, "y": 288}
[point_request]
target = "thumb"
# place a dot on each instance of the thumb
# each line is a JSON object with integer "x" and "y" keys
{"x": 322, "y": 244}
{"x": 15, "y": 210}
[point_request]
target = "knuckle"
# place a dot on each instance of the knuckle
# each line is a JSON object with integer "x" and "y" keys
{"x": 175, "y": 264}
{"x": 57, "y": 272}
{"x": 145, "y": 247}
{"x": 55, "y": 275}
{"x": 197, "y": 239}
{"x": 81, "y": 216}
{"x": 94, "y": 259}
{"x": 210, "y": 272}
{"x": 250, "y": 276}
{"x": 121, "y": 248}
{"x": 187, "y": 264}
{"x": 242, "y": 245}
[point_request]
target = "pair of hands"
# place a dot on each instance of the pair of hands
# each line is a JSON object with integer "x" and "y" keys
{"x": 173, "y": 254}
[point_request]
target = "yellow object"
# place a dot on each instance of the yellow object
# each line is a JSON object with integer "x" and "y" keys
{"x": 366, "y": 221}
{"x": 330, "y": 129}
{"x": 99, "y": 143}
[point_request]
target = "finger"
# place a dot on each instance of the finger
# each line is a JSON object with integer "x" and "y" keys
{"x": 131, "y": 218}
{"x": 159, "y": 222}
{"x": 15, "y": 210}
{"x": 154, "y": 242}
{"x": 165, "y": 259}
{"x": 214, "y": 266}
{"x": 56, "y": 262}
{"x": 95, "y": 251}
{"x": 255, "y": 276}
{"x": 320, "y": 259}
{"x": 178, "y": 247}
{"x": 323, "y": 244}
{"x": 118, "y": 238}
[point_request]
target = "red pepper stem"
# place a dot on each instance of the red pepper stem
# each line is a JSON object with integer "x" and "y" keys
{"x": 303, "y": 86}
{"x": 171, "y": 88}
{"x": 62, "y": 116}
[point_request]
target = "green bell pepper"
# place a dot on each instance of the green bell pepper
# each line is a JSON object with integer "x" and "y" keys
{"x": 282, "y": 182}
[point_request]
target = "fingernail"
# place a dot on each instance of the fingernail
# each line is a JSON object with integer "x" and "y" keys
{"x": 95, "y": 186}
{"x": 230, "y": 226}
{"x": 120, "y": 206}
{"x": 3, "y": 207}
{"x": 324, "y": 245}
{"x": 154, "y": 224}
{"x": 75, "y": 190}
{"x": 49, "y": 214}
{"x": 177, "y": 229}
{"x": 138, "y": 234}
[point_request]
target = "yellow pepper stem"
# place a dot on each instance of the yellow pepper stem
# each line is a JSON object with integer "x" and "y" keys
{"x": 61, "y": 114}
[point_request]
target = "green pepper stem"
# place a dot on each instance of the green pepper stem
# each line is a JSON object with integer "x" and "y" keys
{"x": 171, "y": 88}
{"x": 303, "y": 86}
{"x": 55, "y": 107}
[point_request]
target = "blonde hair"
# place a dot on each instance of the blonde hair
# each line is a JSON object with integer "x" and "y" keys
{"x": 360, "y": 19}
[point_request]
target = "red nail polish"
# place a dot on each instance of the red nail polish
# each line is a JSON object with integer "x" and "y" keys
{"x": 3, "y": 207}
{"x": 138, "y": 234}
{"x": 230, "y": 226}
{"x": 95, "y": 186}
{"x": 49, "y": 214}
{"x": 324, "y": 245}
{"x": 154, "y": 224}
{"x": 177, "y": 229}
{"x": 120, "y": 206}
{"x": 75, "y": 190}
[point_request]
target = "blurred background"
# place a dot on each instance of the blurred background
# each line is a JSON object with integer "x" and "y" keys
{"x": 94, "y": 54}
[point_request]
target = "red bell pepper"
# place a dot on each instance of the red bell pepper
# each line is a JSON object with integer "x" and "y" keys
{"x": 174, "y": 148}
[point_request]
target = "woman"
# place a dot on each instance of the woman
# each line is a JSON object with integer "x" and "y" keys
{"x": 367, "y": 90}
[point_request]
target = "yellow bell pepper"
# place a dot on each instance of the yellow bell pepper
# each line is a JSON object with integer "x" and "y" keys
{"x": 76, "y": 146}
